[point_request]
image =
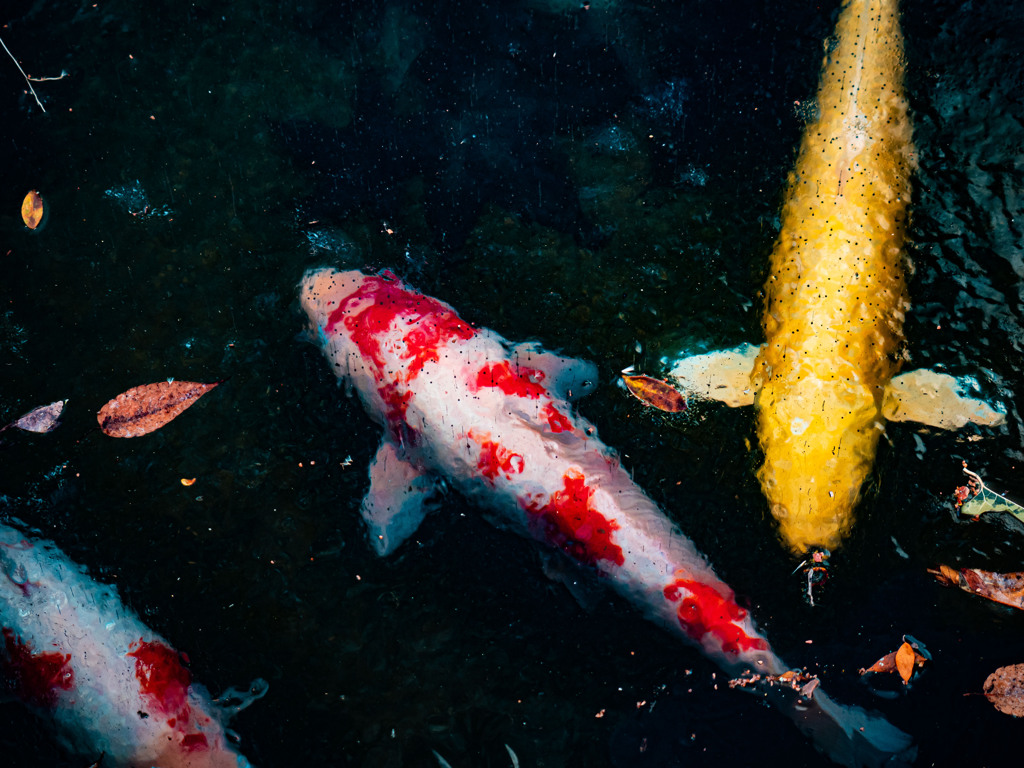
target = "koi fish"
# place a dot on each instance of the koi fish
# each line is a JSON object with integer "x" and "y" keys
{"x": 462, "y": 405}
{"x": 823, "y": 382}
{"x": 111, "y": 686}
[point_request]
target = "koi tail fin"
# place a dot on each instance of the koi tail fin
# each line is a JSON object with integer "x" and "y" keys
{"x": 851, "y": 736}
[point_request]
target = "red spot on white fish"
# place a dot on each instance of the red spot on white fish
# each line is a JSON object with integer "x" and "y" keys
{"x": 194, "y": 741}
{"x": 523, "y": 382}
{"x": 557, "y": 421}
{"x": 495, "y": 458}
{"x": 526, "y": 383}
{"x": 375, "y": 311}
{"x": 163, "y": 679}
{"x": 704, "y": 610}
{"x": 571, "y": 523}
{"x": 35, "y": 677}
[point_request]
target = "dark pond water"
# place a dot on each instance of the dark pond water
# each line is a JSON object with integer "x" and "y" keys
{"x": 602, "y": 180}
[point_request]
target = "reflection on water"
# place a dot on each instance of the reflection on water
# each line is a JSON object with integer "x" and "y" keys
{"x": 604, "y": 179}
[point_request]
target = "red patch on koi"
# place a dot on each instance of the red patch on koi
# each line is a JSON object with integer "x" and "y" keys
{"x": 35, "y": 677}
{"x": 573, "y": 525}
{"x": 524, "y": 382}
{"x": 706, "y": 611}
{"x": 194, "y": 741}
{"x": 389, "y": 303}
{"x": 557, "y": 421}
{"x": 495, "y": 458}
{"x": 162, "y": 677}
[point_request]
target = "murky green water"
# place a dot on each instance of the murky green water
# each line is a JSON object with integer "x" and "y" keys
{"x": 609, "y": 182}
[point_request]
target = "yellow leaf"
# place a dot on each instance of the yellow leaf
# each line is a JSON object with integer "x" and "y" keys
{"x": 32, "y": 209}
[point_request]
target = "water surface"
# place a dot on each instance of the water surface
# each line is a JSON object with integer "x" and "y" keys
{"x": 602, "y": 179}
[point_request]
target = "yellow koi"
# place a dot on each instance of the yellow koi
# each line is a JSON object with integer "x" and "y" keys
{"x": 835, "y": 299}
{"x": 836, "y": 294}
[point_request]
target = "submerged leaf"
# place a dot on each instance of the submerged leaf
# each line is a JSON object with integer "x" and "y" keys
{"x": 41, "y": 419}
{"x": 1005, "y": 689}
{"x": 1005, "y": 588}
{"x": 32, "y": 210}
{"x": 655, "y": 392}
{"x": 144, "y": 409}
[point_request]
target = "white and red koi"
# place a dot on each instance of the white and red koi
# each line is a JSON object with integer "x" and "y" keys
{"x": 461, "y": 403}
{"x": 112, "y": 687}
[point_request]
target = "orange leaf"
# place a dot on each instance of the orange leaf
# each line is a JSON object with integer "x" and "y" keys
{"x": 144, "y": 409}
{"x": 32, "y": 209}
{"x": 655, "y": 392}
{"x": 949, "y": 577}
{"x": 905, "y": 660}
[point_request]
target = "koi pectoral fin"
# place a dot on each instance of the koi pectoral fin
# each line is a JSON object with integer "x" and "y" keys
{"x": 938, "y": 400}
{"x": 400, "y": 497}
{"x": 723, "y": 375}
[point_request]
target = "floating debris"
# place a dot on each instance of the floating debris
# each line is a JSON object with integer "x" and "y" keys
{"x": 132, "y": 199}
{"x": 1005, "y": 588}
{"x": 800, "y": 681}
{"x": 816, "y": 568}
{"x": 975, "y": 498}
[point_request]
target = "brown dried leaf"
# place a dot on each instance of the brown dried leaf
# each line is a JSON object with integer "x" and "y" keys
{"x": 655, "y": 392}
{"x": 905, "y": 660}
{"x": 946, "y": 576}
{"x": 1005, "y": 588}
{"x": 41, "y": 419}
{"x": 32, "y": 209}
{"x": 885, "y": 664}
{"x": 144, "y": 409}
{"x": 1005, "y": 689}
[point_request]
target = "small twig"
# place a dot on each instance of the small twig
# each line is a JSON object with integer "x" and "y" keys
{"x": 975, "y": 477}
{"x": 27, "y": 81}
{"x": 63, "y": 73}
